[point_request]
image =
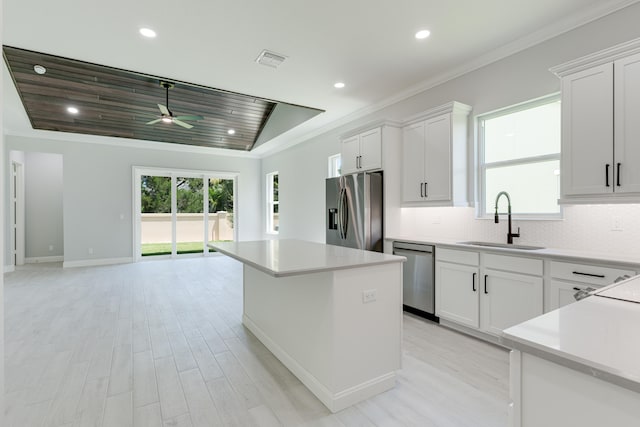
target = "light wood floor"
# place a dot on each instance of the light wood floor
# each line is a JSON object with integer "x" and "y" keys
{"x": 161, "y": 344}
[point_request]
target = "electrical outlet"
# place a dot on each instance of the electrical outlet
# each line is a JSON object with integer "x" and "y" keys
{"x": 50, "y": 248}
{"x": 90, "y": 251}
{"x": 368, "y": 296}
{"x": 616, "y": 223}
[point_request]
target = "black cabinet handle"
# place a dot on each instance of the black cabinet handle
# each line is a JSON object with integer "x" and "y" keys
{"x": 606, "y": 174}
{"x": 618, "y": 174}
{"x": 426, "y": 192}
{"x": 473, "y": 282}
{"x": 575, "y": 288}
{"x": 601, "y": 276}
{"x": 485, "y": 283}
{"x": 422, "y": 189}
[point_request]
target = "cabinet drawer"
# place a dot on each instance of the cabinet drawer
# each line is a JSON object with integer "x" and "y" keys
{"x": 512, "y": 263}
{"x": 459, "y": 257}
{"x": 584, "y": 273}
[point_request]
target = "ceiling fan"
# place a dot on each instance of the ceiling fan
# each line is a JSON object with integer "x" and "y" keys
{"x": 167, "y": 115}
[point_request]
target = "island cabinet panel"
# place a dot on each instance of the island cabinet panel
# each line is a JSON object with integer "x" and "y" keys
{"x": 544, "y": 393}
{"x": 319, "y": 326}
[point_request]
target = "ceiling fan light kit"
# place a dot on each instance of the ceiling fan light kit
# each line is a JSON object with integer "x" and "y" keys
{"x": 167, "y": 115}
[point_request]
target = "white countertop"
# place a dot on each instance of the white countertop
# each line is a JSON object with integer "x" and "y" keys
{"x": 597, "y": 336}
{"x": 286, "y": 257}
{"x": 569, "y": 254}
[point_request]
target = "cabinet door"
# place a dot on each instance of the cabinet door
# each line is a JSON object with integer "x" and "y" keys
{"x": 508, "y": 299}
{"x": 627, "y": 125}
{"x": 349, "y": 154}
{"x": 413, "y": 163}
{"x": 371, "y": 149}
{"x": 457, "y": 291}
{"x": 587, "y": 132}
{"x": 437, "y": 169}
{"x": 562, "y": 293}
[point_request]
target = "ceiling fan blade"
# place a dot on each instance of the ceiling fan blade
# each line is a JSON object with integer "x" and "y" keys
{"x": 181, "y": 123}
{"x": 189, "y": 117}
{"x": 164, "y": 110}
{"x": 153, "y": 121}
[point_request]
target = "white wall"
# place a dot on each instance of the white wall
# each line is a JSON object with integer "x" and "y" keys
{"x": 43, "y": 183}
{"x": 98, "y": 190}
{"x": 514, "y": 79}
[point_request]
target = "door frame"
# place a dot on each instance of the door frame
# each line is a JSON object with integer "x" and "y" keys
{"x": 17, "y": 219}
{"x": 173, "y": 173}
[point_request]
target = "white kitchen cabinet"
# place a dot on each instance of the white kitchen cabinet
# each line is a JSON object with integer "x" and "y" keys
{"x": 362, "y": 152}
{"x": 434, "y": 148}
{"x": 508, "y": 299}
{"x": 457, "y": 293}
{"x": 487, "y": 292}
{"x": 600, "y": 131}
{"x": 567, "y": 278}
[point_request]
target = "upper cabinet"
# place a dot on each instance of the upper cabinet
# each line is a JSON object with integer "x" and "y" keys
{"x": 362, "y": 152}
{"x": 600, "y": 126}
{"x": 434, "y": 157}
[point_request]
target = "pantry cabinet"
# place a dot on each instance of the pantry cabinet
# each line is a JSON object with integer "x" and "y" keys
{"x": 434, "y": 157}
{"x": 600, "y": 130}
{"x": 362, "y": 152}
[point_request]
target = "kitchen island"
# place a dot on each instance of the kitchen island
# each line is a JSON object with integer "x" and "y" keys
{"x": 332, "y": 315}
{"x": 579, "y": 365}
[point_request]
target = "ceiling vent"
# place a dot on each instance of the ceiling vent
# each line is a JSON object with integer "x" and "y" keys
{"x": 270, "y": 59}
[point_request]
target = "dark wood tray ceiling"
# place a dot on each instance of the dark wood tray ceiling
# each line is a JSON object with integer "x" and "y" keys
{"x": 119, "y": 103}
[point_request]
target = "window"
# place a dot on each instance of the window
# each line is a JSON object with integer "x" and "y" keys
{"x": 272, "y": 203}
{"x": 519, "y": 152}
{"x": 335, "y": 165}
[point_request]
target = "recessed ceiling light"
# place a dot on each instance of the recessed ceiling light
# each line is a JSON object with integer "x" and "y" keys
{"x": 231, "y": 131}
{"x": 39, "y": 69}
{"x": 73, "y": 110}
{"x": 423, "y": 34}
{"x": 147, "y": 32}
{"x": 339, "y": 85}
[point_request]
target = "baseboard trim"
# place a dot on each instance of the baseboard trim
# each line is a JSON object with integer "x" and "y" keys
{"x": 9, "y": 268}
{"x": 333, "y": 401}
{"x": 97, "y": 262}
{"x": 41, "y": 259}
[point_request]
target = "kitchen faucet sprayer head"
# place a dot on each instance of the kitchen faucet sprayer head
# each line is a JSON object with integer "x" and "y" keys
{"x": 496, "y": 219}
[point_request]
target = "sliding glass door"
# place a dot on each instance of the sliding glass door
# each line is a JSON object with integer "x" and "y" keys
{"x": 170, "y": 212}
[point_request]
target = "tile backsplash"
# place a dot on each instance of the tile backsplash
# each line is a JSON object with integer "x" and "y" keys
{"x": 584, "y": 227}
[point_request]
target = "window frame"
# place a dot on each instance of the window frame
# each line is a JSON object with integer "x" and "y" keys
{"x": 481, "y": 166}
{"x": 271, "y": 203}
{"x": 333, "y": 170}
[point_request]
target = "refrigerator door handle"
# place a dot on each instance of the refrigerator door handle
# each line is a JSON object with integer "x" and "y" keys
{"x": 344, "y": 214}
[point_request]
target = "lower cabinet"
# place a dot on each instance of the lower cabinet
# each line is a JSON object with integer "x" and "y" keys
{"x": 457, "y": 293}
{"x": 568, "y": 278}
{"x": 486, "y": 291}
{"x": 508, "y": 299}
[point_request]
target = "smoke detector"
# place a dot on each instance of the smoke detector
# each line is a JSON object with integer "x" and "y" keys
{"x": 270, "y": 59}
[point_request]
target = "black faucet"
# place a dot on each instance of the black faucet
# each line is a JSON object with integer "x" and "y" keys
{"x": 510, "y": 235}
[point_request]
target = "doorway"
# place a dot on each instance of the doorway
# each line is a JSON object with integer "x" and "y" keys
{"x": 179, "y": 212}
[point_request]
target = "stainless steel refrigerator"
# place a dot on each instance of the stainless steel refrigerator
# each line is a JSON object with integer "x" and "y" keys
{"x": 354, "y": 211}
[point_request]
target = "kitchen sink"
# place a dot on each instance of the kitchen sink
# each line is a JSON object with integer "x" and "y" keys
{"x": 503, "y": 245}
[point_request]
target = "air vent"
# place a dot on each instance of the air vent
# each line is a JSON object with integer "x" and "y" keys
{"x": 270, "y": 59}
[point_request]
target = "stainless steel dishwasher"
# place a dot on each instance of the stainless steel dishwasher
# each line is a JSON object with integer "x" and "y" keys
{"x": 418, "y": 284}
